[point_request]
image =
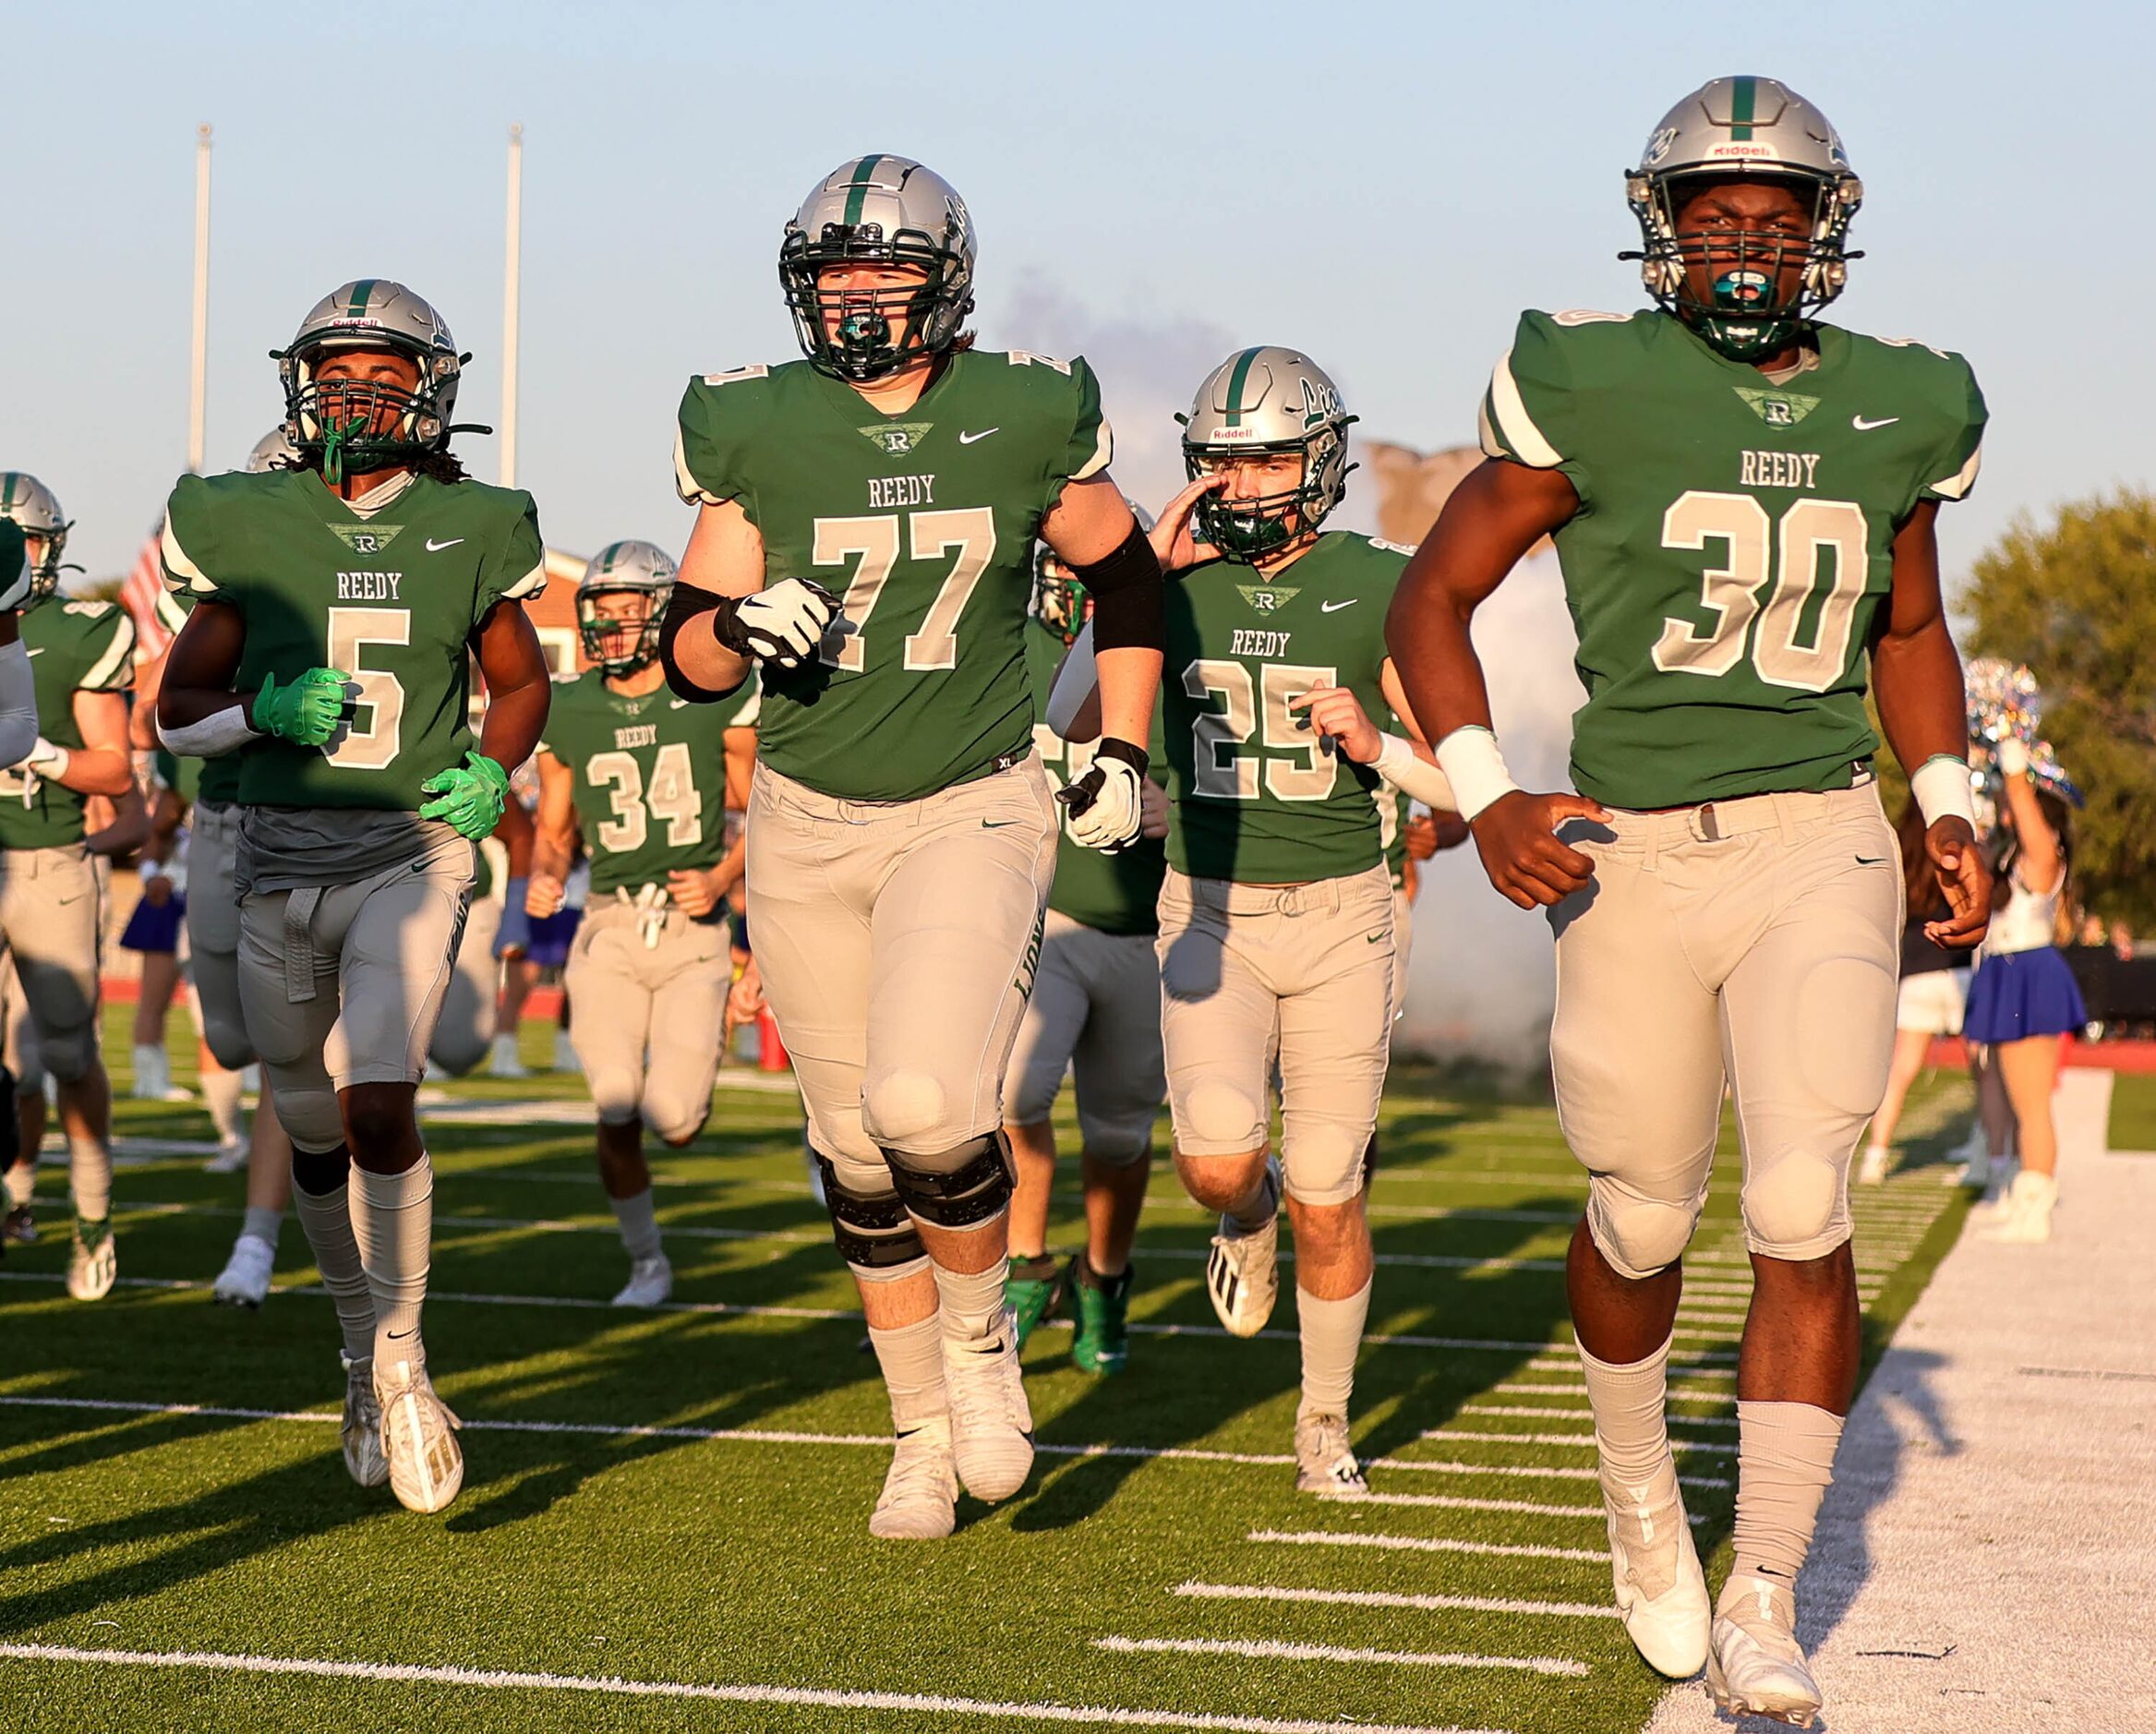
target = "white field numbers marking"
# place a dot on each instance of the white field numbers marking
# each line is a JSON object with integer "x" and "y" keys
{"x": 373, "y": 748}
{"x": 1730, "y": 592}
{"x": 970, "y": 530}
{"x": 1260, "y": 707}
{"x": 671, "y": 797}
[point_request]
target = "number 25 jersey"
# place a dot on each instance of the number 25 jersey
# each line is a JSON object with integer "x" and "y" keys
{"x": 391, "y": 599}
{"x": 1734, "y": 539}
{"x": 924, "y": 523}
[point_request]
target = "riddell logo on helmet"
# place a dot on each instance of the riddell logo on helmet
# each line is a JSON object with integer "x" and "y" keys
{"x": 1752, "y": 150}
{"x": 1229, "y": 436}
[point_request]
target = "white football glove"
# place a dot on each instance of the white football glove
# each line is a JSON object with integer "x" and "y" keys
{"x": 1107, "y": 804}
{"x": 782, "y": 624}
{"x": 15, "y": 587}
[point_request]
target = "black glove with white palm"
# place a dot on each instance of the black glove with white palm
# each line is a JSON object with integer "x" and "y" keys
{"x": 1107, "y": 805}
{"x": 781, "y": 624}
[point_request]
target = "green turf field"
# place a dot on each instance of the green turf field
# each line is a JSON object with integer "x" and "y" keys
{"x": 676, "y": 1500}
{"x": 2133, "y": 1112}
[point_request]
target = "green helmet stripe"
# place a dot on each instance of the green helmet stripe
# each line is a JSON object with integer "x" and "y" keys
{"x": 1743, "y": 103}
{"x": 7, "y": 484}
{"x": 1236, "y": 382}
{"x": 362, "y": 292}
{"x": 857, "y": 194}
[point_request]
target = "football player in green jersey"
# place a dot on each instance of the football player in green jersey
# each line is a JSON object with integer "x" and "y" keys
{"x": 1742, "y": 499}
{"x": 50, "y": 903}
{"x": 1276, "y": 937}
{"x": 338, "y": 609}
{"x": 643, "y": 775}
{"x": 901, "y": 833}
{"x": 1095, "y": 1012}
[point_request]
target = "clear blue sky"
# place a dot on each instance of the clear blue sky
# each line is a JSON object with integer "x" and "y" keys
{"x": 1152, "y": 185}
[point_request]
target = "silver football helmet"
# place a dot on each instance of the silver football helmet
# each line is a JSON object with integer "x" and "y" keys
{"x": 31, "y": 506}
{"x": 887, "y": 210}
{"x": 357, "y": 427}
{"x": 1755, "y": 129}
{"x": 622, "y": 644}
{"x": 1267, "y": 399}
{"x": 273, "y": 451}
{"x": 1060, "y": 602}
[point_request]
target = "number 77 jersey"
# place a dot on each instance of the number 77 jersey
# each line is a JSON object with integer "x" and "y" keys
{"x": 1734, "y": 540}
{"x": 925, "y": 523}
{"x": 391, "y": 599}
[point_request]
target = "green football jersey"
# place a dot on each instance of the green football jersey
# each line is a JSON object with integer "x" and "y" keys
{"x": 1257, "y": 797}
{"x": 73, "y": 647}
{"x": 391, "y": 599}
{"x": 649, "y": 776}
{"x": 1114, "y": 894}
{"x": 214, "y": 780}
{"x": 925, "y": 524}
{"x": 1733, "y": 542}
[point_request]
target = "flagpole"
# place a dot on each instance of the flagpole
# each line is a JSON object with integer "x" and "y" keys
{"x": 199, "y": 361}
{"x": 511, "y": 289}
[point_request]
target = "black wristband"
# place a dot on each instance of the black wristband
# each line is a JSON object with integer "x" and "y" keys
{"x": 683, "y": 606}
{"x": 1126, "y": 586}
{"x": 1132, "y": 754}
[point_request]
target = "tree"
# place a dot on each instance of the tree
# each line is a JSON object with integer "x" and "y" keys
{"x": 2075, "y": 600}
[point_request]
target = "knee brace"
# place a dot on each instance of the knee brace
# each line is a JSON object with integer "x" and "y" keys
{"x": 872, "y": 1230}
{"x": 958, "y": 1188}
{"x": 317, "y": 1172}
{"x": 1796, "y": 1204}
{"x": 1639, "y": 1236}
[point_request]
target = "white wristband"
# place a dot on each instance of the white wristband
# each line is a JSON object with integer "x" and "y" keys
{"x": 222, "y": 731}
{"x": 2013, "y": 754}
{"x": 48, "y": 761}
{"x": 1941, "y": 789}
{"x": 152, "y": 870}
{"x": 1472, "y": 763}
{"x": 1400, "y": 764}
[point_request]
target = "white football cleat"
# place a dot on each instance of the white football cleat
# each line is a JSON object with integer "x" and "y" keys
{"x": 650, "y": 1282}
{"x": 1755, "y": 1666}
{"x": 418, "y": 1437}
{"x": 92, "y": 1263}
{"x": 1241, "y": 1272}
{"x": 244, "y": 1281}
{"x": 152, "y": 1077}
{"x": 505, "y": 1062}
{"x": 1325, "y": 1460}
{"x": 991, "y": 1426}
{"x": 1873, "y": 1171}
{"x": 232, "y": 1156}
{"x": 919, "y": 1501}
{"x": 362, "y": 1457}
{"x": 2023, "y": 1215}
{"x": 1654, "y": 1568}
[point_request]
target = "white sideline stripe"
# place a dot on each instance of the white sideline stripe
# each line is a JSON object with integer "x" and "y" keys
{"x": 1585, "y": 1441}
{"x": 1453, "y": 1502}
{"x": 773, "y": 1436}
{"x": 1526, "y": 1412}
{"x": 805, "y": 1697}
{"x": 1577, "y": 1389}
{"x": 1425, "y": 1544}
{"x": 1272, "y": 1649}
{"x": 1393, "y": 1598}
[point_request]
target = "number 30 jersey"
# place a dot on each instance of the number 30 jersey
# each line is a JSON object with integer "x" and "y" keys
{"x": 1733, "y": 543}
{"x": 649, "y": 776}
{"x": 391, "y": 599}
{"x": 924, "y": 522}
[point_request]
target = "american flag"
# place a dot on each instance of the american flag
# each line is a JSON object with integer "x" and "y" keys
{"x": 139, "y": 597}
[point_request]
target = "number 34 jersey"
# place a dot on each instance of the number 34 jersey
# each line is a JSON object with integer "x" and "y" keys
{"x": 1734, "y": 539}
{"x": 924, "y": 522}
{"x": 391, "y": 599}
{"x": 648, "y": 775}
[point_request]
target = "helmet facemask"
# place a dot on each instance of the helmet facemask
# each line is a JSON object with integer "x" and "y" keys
{"x": 619, "y": 645}
{"x": 1059, "y": 601}
{"x": 30, "y": 505}
{"x": 362, "y": 425}
{"x": 1248, "y": 529}
{"x": 861, "y": 347}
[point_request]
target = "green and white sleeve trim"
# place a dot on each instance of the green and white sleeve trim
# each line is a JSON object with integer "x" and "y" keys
{"x": 181, "y": 572}
{"x": 1103, "y": 449}
{"x": 685, "y": 482}
{"x": 530, "y": 584}
{"x": 1962, "y": 480}
{"x": 115, "y": 668}
{"x": 1505, "y": 416}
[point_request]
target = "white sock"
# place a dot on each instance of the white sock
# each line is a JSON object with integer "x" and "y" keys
{"x": 22, "y": 1181}
{"x": 149, "y": 1061}
{"x": 90, "y": 1176}
{"x": 393, "y": 1220}
{"x": 264, "y": 1224}
{"x": 1331, "y": 1331}
{"x": 221, "y": 1096}
{"x": 326, "y": 1219}
{"x": 1631, "y": 1402}
{"x": 1784, "y": 1457}
{"x": 638, "y": 1226}
{"x": 911, "y": 1357}
{"x": 971, "y": 1303}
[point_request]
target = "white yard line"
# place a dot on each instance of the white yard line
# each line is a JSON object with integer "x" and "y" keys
{"x": 799, "y": 1697}
{"x": 1423, "y": 1543}
{"x": 1583, "y": 1442}
{"x": 1526, "y": 1412}
{"x": 1272, "y": 1650}
{"x": 1453, "y": 1502}
{"x": 1393, "y": 1598}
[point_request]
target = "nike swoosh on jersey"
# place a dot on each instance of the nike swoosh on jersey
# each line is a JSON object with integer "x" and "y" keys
{"x": 1862, "y": 425}
{"x": 967, "y": 439}
{"x": 435, "y": 548}
{"x": 678, "y": 704}
{"x": 1333, "y": 608}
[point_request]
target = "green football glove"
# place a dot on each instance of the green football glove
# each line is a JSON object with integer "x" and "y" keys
{"x": 472, "y": 795}
{"x": 306, "y": 712}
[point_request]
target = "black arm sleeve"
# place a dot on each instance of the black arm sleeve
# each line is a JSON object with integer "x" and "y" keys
{"x": 684, "y": 605}
{"x": 1126, "y": 586}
